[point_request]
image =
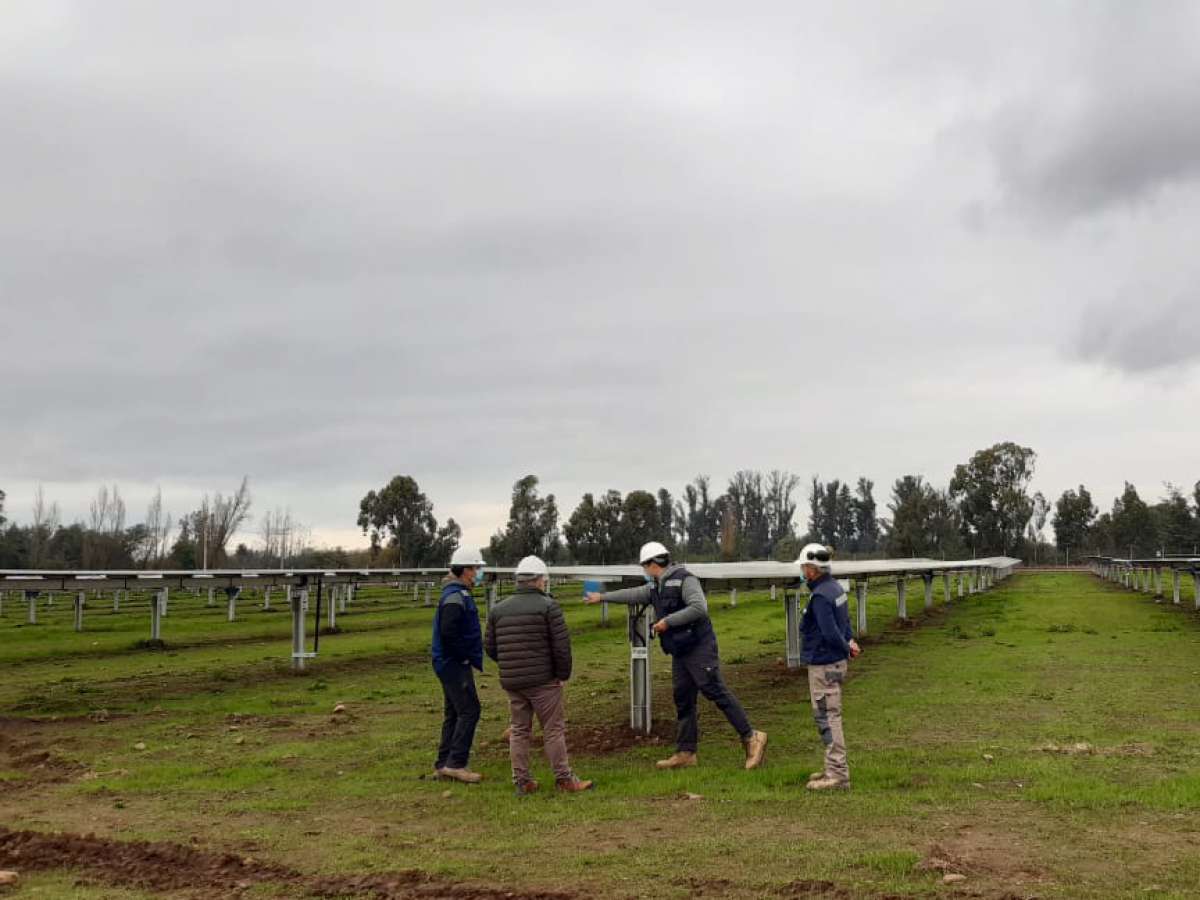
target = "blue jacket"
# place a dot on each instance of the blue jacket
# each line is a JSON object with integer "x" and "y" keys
{"x": 825, "y": 625}
{"x": 456, "y": 634}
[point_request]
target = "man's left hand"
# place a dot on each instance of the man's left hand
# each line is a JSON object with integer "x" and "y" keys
{"x": 660, "y": 626}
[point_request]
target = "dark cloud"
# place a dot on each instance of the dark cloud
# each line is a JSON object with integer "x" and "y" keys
{"x": 1108, "y": 119}
{"x": 1141, "y": 332}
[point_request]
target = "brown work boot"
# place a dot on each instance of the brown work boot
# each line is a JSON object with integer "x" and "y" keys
{"x": 756, "y": 749}
{"x": 680, "y": 759}
{"x": 466, "y": 776}
{"x": 816, "y": 775}
{"x": 828, "y": 783}
{"x": 525, "y": 788}
{"x": 573, "y": 785}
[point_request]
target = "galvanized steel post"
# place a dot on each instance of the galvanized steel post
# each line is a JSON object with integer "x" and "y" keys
{"x": 901, "y": 597}
{"x": 80, "y": 597}
{"x": 860, "y": 594}
{"x": 928, "y": 579}
{"x": 791, "y": 617}
{"x": 640, "y": 717}
{"x": 299, "y": 608}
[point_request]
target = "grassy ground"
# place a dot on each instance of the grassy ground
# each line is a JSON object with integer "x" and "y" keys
{"x": 1040, "y": 739}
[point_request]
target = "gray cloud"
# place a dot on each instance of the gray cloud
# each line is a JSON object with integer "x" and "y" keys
{"x": 1140, "y": 333}
{"x": 613, "y": 247}
{"x": 1109, "y": 119}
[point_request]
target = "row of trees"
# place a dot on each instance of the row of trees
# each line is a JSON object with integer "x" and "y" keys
{"x": 984, "y": 510}
{"x": 1170, "y": 527}
{"x": 105, "y": 540}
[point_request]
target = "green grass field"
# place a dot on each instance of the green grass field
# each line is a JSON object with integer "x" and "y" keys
{"x": 1042, "y": 739}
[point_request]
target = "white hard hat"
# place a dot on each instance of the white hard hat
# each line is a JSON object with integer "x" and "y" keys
{"x": 532, "y": 565}
{"x": 815, "y": 555}
{"x": 651, "y": 550}
{"x": 465, "y": 556}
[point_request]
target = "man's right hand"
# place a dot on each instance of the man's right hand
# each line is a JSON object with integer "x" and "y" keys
{"x": 855, "y": 650}
{"x": 594, "y": 597}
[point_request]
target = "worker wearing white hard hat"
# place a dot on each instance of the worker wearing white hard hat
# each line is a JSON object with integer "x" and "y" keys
{"x": 527, "y": 637}
{"x": 685, "y": 632}
{"x": 827, "y": 643}
{"x": 457, "y": 650}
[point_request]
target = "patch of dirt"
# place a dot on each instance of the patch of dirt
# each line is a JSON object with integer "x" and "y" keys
{"x": 40, "y": 765}
{"x": 605, "y": 739}
{"x": 983, "y": 853}
{"x": 813, "y": 888}
{"x": 160, "y": 867}
{"x": 707, "y": 887}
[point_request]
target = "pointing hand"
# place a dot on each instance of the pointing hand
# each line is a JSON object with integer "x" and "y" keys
{"x": 593, "y": 597}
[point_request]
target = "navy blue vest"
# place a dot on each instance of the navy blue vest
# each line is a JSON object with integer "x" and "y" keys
{"x": 667, "y": 598}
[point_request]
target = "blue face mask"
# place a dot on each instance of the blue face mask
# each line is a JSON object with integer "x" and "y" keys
{"x": 649, "y": 579}
{"x": 479, "y": 576}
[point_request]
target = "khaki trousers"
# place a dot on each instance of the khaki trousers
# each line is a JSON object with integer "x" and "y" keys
{"x": 547, "y": 703}
{"x": 825, "y": 688}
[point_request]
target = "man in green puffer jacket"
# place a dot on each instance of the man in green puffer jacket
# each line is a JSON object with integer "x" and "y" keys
{"x": 527, "y": 637}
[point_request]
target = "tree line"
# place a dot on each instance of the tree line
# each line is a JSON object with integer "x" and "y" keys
{"x": 106, "y": 540}
{"x": 984, "y": 508}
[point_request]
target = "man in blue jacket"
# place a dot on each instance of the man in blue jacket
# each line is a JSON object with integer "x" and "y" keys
{"x": 457, "y": 648}
{"x": 828, "y": 643}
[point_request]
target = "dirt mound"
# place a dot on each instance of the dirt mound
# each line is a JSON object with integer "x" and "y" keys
{"x": 160, "y": 866}
{"x": 39, "y": 764}
{"x": 603, "y": 739}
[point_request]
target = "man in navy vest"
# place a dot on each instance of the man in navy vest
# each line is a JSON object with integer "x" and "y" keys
{"x": 457, "y": 648}
{"x": 685, "y": 632}
{"x": 827, "y": 642}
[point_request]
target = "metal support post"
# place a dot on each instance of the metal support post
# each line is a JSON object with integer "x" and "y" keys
{"x": 211, "y": 601}
{"x": 427, "y": 603}
{"x": 31, "y": 597}
{"x": 415, "y": 597}
{"x": 772, "y": 593}
{"x": 902, "y": 597}
{"x": 116, "y": 601}
{"x": 1176, "y": 579}
{"x": 80, "y": 597}
{"x": 157, "y": 604}
{"x": 232, "y": 593}
{"x": 333, "y": 607}
{"x": 491, "y": 598}
{"x": 1196, "y": 587}
{"x": 266, "y": 598}
{"x": 928, "y": 579}
{"x": 344, "y": 596}
{"x": 733, "y": 597}
{"x": 1157, "y": 583}
{"x": 947, "y": 589}
{"x": 962, "y": 585}
{"x": 791, "y": 618}
{"x": 860, "y": 594}
{"x": 640, "y": 716}
{"x": 299, "y": 608}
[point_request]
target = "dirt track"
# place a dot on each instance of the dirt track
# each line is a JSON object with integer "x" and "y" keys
{"x": 166, "y": 867}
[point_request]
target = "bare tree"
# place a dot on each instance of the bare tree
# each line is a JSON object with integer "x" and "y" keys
{"x": 45, "y": 523}
{"x": 219, "y": 518}
{"x": 280, "y": 534}
{"x": 156, "y": 542}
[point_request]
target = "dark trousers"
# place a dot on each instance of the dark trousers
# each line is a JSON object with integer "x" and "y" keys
{"x": 460, "y": 717}
{"x": 699, "y": 672}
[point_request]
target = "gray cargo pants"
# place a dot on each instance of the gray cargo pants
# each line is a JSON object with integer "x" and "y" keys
{"x": 825, "y": 688}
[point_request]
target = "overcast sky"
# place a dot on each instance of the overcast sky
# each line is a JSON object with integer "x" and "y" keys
{"x": 322, "y": 244}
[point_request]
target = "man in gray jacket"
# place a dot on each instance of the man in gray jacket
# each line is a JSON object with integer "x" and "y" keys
{"x": 527, "y": 637}
{"x": 685, "y": 632}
